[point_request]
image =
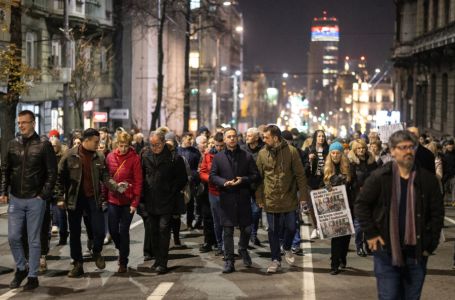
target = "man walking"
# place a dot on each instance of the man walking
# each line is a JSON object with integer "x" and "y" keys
{"x": 81, "y": 172}
{"x": 165, "y": 176}
{"x": 401, "y": 212}
{"x": 29, "y": 171}
{"x": 283, "y": 176}
{"x": 233, "y": 171}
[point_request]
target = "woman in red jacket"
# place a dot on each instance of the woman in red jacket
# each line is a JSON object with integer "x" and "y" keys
{"x": 124, "y": 165}
{"x": 214, "y": 194}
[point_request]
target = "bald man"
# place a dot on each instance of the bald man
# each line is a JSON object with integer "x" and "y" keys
{"x": 424, "y": 157}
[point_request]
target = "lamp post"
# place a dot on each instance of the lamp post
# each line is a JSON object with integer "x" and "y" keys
{"x": 66, "y": 70}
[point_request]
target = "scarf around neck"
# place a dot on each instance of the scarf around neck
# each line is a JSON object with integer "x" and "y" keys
{"x": 410, "y": 230}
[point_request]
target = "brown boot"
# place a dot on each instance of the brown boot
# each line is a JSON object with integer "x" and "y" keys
{"x": 122, "y": 269}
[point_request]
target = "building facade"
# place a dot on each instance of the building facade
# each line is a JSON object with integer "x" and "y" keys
{"x": 424, "y": 64}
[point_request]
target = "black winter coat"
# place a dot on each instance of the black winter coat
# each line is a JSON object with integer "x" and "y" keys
{"x": 425, "y": 159}
{"x": 235, "y": 201}
{"x": 448, "y": 166}
{"x": 314, "y": 181}
{"x": 29, "y": 168}
{"x": 372, "y": 208}
{"x": 164, "y": 179}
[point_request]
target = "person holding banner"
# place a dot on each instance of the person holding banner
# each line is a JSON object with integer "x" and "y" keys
{"x": 337, "y": 171}
{"x": 401, "y": 211}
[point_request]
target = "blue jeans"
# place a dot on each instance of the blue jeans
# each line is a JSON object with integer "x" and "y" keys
{"x": 215, "y": 207}
{"x": 119, "y": 228}
{"x": 358, "y": 234}
{"x": 398, "y": 282}
{"x": 95, "y": 217}
{"x": 257, "y": 214}
{"x": 29, "y": 213}
{"x": 279, "y": 222}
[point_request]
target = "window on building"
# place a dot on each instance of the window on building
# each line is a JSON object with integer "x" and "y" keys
{"x": 435, "y": 14}
{"x": 103, "y": 60}
{"x": 58, "y": 4}
{"x": 56, "y": 53}
{"x": 426, "y": 15}
{"x": 31, "y": 49}
{"x": 433, "y": 100}
{"x": 194, "y": 60}
{"x": 80, "y": 6}
{"x": 444, "y": 100}
{"x": 447, "y": 11}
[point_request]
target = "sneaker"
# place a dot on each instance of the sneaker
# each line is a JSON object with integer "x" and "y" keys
{"x": 281, "y": 250}
{"x": 42, "y": 264}
{"x": 87, "y": 253}
{"x": 361, "y": 252}
{"x": 314, "y": 234}
{"x": 107, "y": 239}
{"x": 32, "y": 283}
{"x": 77, "y": 270}
{"x": 219, "y": 252}
{"x": 289, "y": 257}
{"x": 228, "y": 267}
{"x": 246, "y": 257}
{"x": 54, "y": 230}
{"x": 99, "y": 261}
{"x": 296, "y": 250}
{"x": 274, "y": 267}
{"x": 19, "y": 276}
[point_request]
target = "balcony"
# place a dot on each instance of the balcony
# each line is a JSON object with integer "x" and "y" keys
{"x": 38, "y": 4}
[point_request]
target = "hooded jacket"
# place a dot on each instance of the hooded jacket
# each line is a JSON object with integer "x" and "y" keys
{"x": 125, "y": 168}
{"x": 282, "y": 176}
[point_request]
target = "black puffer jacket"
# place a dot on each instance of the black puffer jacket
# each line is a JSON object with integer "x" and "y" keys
{"x": 30, "y": 168}
{"x": 372, "y": 208}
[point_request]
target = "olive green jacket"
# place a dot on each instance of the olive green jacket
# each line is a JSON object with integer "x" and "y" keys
{"x": 70, "y": 176}
{"x": 282, "y": 175}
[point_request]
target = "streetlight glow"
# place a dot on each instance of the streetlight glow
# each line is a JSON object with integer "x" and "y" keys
{"x": 224, "y": 68}
{"x": 239, "y": 29}
{"x": 285, "y": 75}
{"x": 227, "y": 3}
{"x": 238, "y": 72}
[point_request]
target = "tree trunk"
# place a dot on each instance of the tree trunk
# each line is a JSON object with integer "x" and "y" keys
{"x": 160, "y": 78}
{"x": 9, "y": 102}
{"x": 79, "y": 117}
{"x": 186, "y": 98}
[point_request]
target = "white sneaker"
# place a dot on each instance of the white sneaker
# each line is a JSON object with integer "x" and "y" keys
{"x": 274, "y": 267}
{"x": 314, "y": 234}
{"x": 289, "y": 257}
{"x": 107, "y": 239}
{"x": 54, "y": 229}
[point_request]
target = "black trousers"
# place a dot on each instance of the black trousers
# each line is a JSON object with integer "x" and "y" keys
{"x": 160, "y": 226}
{"x": 228, "y": 235}
{"x": 339, "y": 250}
{"x": 207, "y": 219}
{"x": 148, "y": 251}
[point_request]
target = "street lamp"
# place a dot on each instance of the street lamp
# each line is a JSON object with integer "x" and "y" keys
{"x": 239, "y": 29}
{"x": 227, "y": 3}
{"x": 285, "y": 75}
{"x": 238, "y": 73}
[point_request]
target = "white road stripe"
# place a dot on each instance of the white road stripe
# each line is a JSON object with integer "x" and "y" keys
{"x": 160, "y": 291}
{"x": 449, "y": 220}
{"x": 309, "y": 289}
{"x": 9, "y": 294}
{"x": 135, "y": 224}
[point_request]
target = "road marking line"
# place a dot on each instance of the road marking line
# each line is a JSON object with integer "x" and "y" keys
{"x": 309, "y": 288}
{"x": 449, "y": 220}
{"x": 160, "y": 291}
{"x": 9, "y": 294}
{"x": 135, "y": 224}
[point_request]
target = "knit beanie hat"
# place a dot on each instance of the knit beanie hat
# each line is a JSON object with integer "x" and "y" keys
{"x": 336, "y": 146}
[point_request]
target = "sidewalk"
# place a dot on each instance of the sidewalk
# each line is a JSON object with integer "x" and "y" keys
{"x": 3, "y": 208}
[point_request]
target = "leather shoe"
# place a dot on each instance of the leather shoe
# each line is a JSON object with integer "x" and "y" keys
{"x": 161, "y": 270}
{"x": 205, "y": 248}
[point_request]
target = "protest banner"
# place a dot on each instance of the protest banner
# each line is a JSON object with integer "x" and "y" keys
{"x": 386, "y": 131}
{"x": 333, "y": 215}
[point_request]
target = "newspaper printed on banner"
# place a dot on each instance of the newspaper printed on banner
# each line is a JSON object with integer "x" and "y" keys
{"x": 386, "y": 131}
{"x": 332, "y": 212}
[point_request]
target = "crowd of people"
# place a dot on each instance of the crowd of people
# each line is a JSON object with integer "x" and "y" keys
{"x": 219, "y": 181}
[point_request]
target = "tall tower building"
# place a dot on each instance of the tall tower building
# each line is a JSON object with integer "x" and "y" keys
{"x": 323, "y": 59}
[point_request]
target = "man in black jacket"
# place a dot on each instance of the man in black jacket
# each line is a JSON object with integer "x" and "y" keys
{"x": 401, "y": 212}
{"x": 164, "y": 174}
{"x": 29, "y": 173}
{"x": 233, "y": 171}
{"x": 423, "y": 156}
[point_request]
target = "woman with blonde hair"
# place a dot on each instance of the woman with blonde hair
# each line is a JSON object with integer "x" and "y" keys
{"x": 362, "y": 164}
{"x": 124, "y": 165}
{"x": 337, "y": 171}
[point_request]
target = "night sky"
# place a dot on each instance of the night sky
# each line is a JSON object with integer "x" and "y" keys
{"x": 277, "y": 32}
